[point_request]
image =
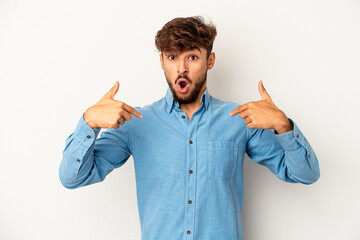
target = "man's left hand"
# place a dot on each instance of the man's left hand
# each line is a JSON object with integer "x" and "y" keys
{"x": 263, "y": 114}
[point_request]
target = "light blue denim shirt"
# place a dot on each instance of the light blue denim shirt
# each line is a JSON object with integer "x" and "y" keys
{"x": 189, "y": 174}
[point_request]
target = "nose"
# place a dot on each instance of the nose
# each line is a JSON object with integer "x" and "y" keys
{"x": 182, "y": 67}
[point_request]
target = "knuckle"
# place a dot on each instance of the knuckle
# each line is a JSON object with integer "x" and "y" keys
{"x": 124, "y": 118}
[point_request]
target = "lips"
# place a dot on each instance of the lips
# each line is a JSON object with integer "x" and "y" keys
{"x": 182, "y": 82}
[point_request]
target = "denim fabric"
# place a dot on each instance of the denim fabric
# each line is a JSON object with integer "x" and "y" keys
{"x": 189, "y": 174}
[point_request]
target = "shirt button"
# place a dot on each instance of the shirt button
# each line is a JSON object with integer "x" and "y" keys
{"x": 190, "y": 142}
{"x": 190, "y": 202}
{"x": 188, "y": 232}
{"x": 297, "y": 135}
{"x": 191, "y": 171}
{"x": 183, "y": 116}
{"x": 88, "y": 136}
{"x": 78, "y": 160}
{"x": 308, "y": 155}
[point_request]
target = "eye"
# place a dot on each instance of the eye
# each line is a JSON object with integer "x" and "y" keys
{"x": 193, "y": 57}
{"x": 171, "y": 57}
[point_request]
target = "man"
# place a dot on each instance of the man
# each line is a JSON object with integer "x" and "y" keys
{"x": 188, "y": 147}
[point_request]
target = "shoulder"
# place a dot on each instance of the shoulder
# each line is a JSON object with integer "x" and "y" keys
{"x": 221, "y": 109}
{"x": 150, "y": 113}
{"x": 150, "y": 108}
{"x": 221, "y": 105}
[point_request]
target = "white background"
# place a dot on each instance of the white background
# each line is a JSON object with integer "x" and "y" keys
{"x": 57, "y": 58}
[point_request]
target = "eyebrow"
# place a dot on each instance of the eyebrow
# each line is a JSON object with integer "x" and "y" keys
{"x": 196, "y": 48}
{"x": 173, "y": 52}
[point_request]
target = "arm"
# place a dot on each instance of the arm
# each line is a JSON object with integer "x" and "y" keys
{"x": 87, "y": 160}
{"x": 288, "y": 155}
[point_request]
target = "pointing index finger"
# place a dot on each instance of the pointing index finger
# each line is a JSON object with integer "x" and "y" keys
{"x": 239, "y": 109}
{"x": 132, "y": 110}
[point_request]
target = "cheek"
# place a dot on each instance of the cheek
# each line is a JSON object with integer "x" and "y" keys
{"x": 199, "y": 71}
{"x": 169, "y": 74}
{"x": 168, "y": 69}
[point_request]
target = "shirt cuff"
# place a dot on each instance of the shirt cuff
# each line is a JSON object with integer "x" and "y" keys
{"x": 83, "y": 132}
{"x": 290, "y": 140}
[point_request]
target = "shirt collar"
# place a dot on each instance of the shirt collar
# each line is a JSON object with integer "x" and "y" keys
{"x": 170, "y": 101}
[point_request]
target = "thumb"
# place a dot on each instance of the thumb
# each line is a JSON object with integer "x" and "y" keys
{"x": 112, "y": 92}
{"x": 263, "y": 92}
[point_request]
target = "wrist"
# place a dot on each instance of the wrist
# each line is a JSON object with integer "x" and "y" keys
{"x": 284, "y": 126}
{"x": 87, "y": 120}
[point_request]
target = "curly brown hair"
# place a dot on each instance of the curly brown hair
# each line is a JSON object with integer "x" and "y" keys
{"x": 183, "y": 34}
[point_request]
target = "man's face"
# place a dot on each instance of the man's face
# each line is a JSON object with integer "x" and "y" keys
{"x": 186, "y": 73}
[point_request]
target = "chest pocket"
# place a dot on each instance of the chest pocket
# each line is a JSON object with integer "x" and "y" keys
{"x": 222, "y": 159}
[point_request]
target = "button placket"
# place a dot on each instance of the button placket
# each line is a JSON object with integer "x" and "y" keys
{"x": 191, "y": 178}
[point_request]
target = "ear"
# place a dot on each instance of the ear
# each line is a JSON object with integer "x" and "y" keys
{"x": 211, "y": 60}
{"x": 161, "y": 61}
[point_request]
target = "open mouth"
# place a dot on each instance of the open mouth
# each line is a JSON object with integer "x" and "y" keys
{"x": 183, "y": 85}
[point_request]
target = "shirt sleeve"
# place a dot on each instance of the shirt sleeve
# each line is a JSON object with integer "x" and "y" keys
{"x": 288, "y": 155}
{"x": 88, "y": 159}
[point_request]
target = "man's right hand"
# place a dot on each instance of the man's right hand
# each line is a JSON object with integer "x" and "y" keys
{"x": 108, "y": 112}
